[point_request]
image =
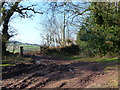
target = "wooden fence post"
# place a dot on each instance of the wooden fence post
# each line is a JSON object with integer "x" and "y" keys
{"x": 21, "y": 50}
{"x": 40, "y": 49}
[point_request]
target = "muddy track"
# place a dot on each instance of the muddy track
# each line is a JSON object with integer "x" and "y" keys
{"x": 51, "y": 74}
{"x": 20, "y": 69}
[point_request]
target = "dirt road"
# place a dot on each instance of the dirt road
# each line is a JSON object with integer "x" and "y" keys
{"x": 55, "y": 73}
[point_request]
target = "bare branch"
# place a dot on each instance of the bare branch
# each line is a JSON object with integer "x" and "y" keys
{"x": 21, "y": 10}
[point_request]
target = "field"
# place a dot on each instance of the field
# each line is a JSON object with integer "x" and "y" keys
{"x": 27, "y": 48}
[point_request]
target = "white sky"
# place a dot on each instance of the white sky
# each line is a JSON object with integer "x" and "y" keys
{"x": 27, "y": 29}
{"x": 27, "y": 32}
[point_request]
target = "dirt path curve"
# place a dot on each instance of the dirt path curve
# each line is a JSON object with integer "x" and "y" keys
{"x": 55, "y": 73}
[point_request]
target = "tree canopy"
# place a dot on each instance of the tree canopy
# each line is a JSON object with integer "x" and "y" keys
{"x": 100, "y": 33}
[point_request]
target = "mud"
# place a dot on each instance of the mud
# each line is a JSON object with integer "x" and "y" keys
{"x": 52, "y": 73}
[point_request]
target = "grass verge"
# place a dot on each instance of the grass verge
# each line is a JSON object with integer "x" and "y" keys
{"x": 79, "y": 58}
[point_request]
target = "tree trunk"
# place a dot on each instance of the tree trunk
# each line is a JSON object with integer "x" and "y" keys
{"x": 64, "y": 23}
{"x": 5, "y": 35}
{"x": 6, "y": 18}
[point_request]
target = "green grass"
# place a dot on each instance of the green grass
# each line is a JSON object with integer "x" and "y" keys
{"x": 27, "y": 48}
{"x": 78, "y": 58}
{"x": 4, "y": 65}
{"x": 107, "y": 60}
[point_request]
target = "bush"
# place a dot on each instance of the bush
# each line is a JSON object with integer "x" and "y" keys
{"x": 68, "y": 50}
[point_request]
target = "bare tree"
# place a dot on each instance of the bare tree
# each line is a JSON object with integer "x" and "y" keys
{"x": 9, "y": 8}
{"x": 70, "y": 17}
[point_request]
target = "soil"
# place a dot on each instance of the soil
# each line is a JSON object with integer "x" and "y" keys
{"x": 59, "y": 73}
